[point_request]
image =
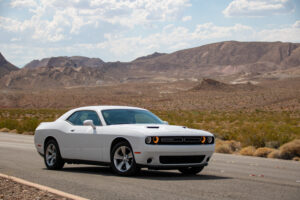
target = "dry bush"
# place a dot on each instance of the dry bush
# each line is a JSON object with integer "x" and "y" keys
{"x": 273, "y": 144}
{"x": 274, "y": 154}
{"x": 296, "y": 158}
{"x": 229, "y": 146}
{"x": 248, "y": 151}
{"x": 28, "y": 133}
{"x": 290, "y": 149}
{"x": 13, "y": 131}
{"x": 263, "y": 152}
{"x": 223, "y": 148}
{"x": 4, "y": 130}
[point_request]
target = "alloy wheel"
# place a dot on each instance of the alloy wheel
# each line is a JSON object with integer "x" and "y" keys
{"x": 123, "y": 158}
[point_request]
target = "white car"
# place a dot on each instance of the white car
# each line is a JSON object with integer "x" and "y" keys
{"x": 126, "y": 138}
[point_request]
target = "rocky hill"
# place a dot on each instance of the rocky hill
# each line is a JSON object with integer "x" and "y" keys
{"x": 74, "y": 61}
{"x": 6, "y": 67}
{"x": 228, "y": 61}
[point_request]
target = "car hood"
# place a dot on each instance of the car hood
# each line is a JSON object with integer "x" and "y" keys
{"x": 160, "y": 130}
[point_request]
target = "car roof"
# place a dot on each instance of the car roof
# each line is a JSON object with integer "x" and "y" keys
{"x": 97, "y": 108}
{"x": 106, "y": 107}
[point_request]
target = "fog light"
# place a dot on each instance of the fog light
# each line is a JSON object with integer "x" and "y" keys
{"x": 148, "y": 140}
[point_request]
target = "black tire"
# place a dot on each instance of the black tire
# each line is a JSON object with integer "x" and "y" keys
{"x": 116, "y": 163}
{"x": 191, "y": 170}
{"x": 57, "y": 162}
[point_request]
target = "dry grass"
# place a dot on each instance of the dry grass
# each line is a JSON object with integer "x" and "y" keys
{"x": 296, "y": 158}
{"x": 274, "y": 154}
{"x": 290, "y": 149}
{"x": 229, "y": 146}
{"x": 263, "y": 152}
{"x": 4, "y": 130}
{"x": 248, "y": 151}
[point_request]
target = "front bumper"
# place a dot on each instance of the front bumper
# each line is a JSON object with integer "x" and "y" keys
{"x": 153, "y": 153}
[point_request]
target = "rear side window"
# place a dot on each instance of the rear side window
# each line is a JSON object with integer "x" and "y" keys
{"x": 78, "y": 117}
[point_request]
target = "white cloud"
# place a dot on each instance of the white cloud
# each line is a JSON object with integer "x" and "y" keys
{"x": 296, "y": 24}
{"x": 287, "y": 34}
{"x": 23, "y": 3}
{"x": 170, "y": 39}
{"x": 15, "y": 39}
{"x": 54, "y": 20}
{"x": 258, "y": 8}
{"x": 186, "y": 18}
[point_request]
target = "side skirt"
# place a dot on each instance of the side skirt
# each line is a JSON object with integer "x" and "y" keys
{"x": 87, "y": 162}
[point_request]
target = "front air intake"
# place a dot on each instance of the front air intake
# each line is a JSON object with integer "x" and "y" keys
{"x": 181, "y": 159}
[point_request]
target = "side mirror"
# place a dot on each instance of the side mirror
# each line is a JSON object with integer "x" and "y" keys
{"x": 165, "y": 122}
{"x": 89, "y": 123}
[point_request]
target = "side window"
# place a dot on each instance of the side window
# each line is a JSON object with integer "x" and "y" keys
{"x": 79, "y": 117}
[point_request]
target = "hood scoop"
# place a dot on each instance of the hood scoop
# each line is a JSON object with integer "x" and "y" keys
{"x": 153, "y": 127}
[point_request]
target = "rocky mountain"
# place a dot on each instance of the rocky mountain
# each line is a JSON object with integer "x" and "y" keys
{"x": 6, "y": 67}
{"x": 227, "y": 58}
{"x": 74, "y": 61}
{"x": 155, "y": 54}
{"x": 236, "y": 62}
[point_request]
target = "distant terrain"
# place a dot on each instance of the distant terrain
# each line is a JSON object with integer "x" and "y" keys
{"x": 227, "y": 75}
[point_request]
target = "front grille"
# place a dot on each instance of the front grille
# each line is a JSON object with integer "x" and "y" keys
{"x": 181, "y": 159}
{"x": 185, "y": 140}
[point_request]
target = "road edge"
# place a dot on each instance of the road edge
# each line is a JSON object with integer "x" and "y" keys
{"x": 42, "y": 187}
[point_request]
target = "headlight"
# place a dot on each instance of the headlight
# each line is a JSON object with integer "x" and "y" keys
{"x": 148, "y": 140}
{"x": 209, "y": 139}
{"x": 151, "y": 140}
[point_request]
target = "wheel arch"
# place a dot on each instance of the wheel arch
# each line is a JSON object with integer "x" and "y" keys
{"x": 117, "y": 140}
{"x": 48, "y": 139}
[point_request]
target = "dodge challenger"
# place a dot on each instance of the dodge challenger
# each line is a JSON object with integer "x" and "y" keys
{"x": 124, "y": 138}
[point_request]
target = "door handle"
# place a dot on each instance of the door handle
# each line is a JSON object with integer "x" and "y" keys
{"x": 72, "y": 130}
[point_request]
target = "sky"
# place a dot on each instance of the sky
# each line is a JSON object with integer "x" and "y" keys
{"x": 122, "y": 30}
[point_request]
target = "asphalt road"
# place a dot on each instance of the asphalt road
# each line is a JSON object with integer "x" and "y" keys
{"x": 226, "y": 177}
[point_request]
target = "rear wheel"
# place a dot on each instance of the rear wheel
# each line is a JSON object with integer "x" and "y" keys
{"x": 191, "y": 170}
{"x": 52, "y": 156}
{"x": 122, "y": 160}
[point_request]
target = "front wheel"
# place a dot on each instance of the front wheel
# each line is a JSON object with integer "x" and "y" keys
{"x": 191, "y": 170}
{"x": 52, "y": 157}
{"x": 122, "y": 160}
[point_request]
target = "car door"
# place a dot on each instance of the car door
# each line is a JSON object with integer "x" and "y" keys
{"x": 84, "y": 141}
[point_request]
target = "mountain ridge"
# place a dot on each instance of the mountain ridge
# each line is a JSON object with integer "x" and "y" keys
{"x": 231, "y": 61}
{"x": 5, "y": 66}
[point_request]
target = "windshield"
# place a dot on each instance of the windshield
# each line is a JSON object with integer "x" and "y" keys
{"x": 129, "y": 116}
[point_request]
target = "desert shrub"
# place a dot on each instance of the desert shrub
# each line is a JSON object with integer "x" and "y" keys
{"x": 273, "y": 144}
{"x": 13, "y": 131}
{"x": 296, "y": 158}
{"x": 223, "y": 148}
{"x": 4, "y": 130}
{"x": 229, "y": 146}
{"x": 290, "y": 149}
{"x": 29, "y": 124}
{"x": 248, "y": 151}
{"x": 8, "y": 123}
{"x": 274, "y": 154}
{"x": 263, "y": 152}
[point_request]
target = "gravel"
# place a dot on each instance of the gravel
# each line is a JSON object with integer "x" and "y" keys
{"x": 11, "y": 190}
